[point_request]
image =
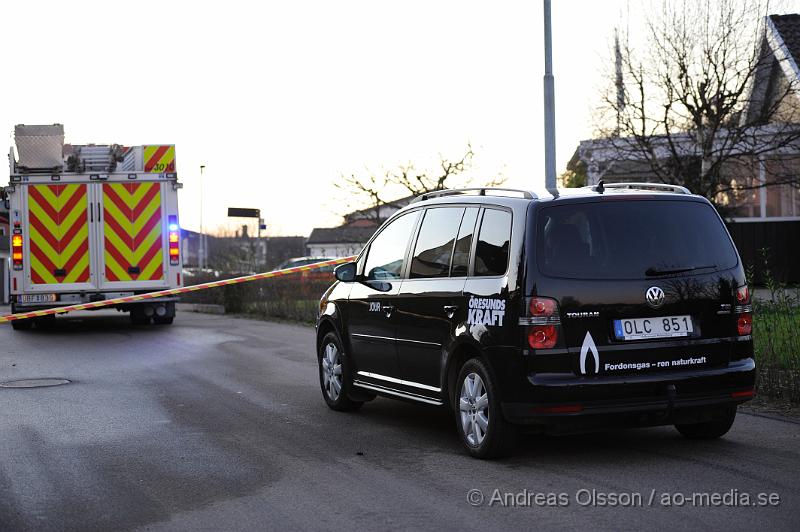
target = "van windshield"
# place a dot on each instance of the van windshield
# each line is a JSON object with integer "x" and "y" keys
{"x": 631, "y": 239}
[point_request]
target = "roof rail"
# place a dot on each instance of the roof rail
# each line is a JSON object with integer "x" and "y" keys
{"x": 480, "y": 190}
{"x": 663, "y": 187}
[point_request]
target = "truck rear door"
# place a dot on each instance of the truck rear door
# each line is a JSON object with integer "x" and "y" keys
{"x": 132, "y": 229}
{"x": 58, "y": 241}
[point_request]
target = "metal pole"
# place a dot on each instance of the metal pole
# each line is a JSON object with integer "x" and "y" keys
{"x": 619, "y": 82}
{"x": 201, "y": 259}
{"x": 549, "y": 105}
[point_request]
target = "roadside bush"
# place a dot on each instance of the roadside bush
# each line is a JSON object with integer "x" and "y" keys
{"x": 294, "y": 297}
{"x": 776, "y": 336}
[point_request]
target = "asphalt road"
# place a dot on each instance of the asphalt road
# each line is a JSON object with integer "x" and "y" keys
{"x": 218, "y": 424}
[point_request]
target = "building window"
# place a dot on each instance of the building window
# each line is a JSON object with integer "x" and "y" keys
{"x": 748, "y": 199}
{"x": 744, "y": 199}
{"x": 782, "y": 199}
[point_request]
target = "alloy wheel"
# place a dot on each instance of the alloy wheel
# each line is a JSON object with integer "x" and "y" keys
{"x": 474, "y": 408}
{"x": 332, "y": 371}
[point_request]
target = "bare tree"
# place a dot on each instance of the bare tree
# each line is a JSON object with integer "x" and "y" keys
{"x": 686, "y": 104}
{"x": 373, "y": 190}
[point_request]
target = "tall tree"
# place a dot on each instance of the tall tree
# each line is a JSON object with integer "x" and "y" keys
{"x": 686, "y": 102}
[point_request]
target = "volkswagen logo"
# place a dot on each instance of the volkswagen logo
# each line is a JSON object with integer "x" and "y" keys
{"x": 655, "y": 296}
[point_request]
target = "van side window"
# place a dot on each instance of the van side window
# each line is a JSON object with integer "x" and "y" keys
{"x": 387, "y": 251}
{"x": 494, "y": 240}
{"x": 435, "y": 242}
{"x": 464, "y": 243}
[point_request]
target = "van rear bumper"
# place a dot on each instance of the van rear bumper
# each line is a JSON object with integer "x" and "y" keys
{"x": 566, "y": 401}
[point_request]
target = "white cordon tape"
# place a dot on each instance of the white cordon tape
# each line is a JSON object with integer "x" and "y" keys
{"x": 172, "y": 291}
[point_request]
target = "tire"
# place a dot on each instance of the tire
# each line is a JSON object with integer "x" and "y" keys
{"x": 709, "y": 430}
{"x": 483, "y": 430}
{"x": 335, "y": 372}
{"x": 20, "y": 325}
{"x": 167, "y": 318}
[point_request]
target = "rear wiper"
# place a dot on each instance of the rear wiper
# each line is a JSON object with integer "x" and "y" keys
{"x": 652, "y": 272}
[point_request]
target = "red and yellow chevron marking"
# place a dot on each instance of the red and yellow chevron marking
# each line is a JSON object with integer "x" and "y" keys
{"x": 159, "y": 159}
{"x": 134, "y": 248}
{"x": 59, "y": 234}
{"x": 172, "y": 291}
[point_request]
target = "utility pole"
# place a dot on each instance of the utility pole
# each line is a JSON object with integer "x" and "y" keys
{"x": 549, "y": 105}
{"x": 201, "y": 258}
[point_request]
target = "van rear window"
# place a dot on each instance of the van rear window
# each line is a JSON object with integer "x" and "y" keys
{"x": 632, "y": 239}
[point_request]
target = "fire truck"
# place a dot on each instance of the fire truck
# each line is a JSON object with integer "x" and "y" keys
{"x": 89, "y": 223}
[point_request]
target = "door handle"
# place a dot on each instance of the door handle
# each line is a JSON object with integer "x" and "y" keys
{"x": 387, "y": 310}
{"x": 450, "y": 310}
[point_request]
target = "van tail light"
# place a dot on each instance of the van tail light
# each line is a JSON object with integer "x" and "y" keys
{"x": 174, "y": 241}
{"x": 742, "y": 295}
{"x": 543, "y": 321}
{"x": 16, "y": 251}
{"x": 743, "y": 311}
{"x": 744, "y": 324}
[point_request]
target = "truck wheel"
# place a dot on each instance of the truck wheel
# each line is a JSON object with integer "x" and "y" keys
{"x": 483, "y": 430}
{"x": 20, "y": 325}
{"x": 709, "y": 430}
{"x": 167, "y": 318}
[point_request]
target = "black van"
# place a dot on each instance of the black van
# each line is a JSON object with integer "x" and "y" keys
{"x": 619, "y": 304}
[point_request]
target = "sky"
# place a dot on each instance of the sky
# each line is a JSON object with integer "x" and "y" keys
{"x": 279, "y": 99}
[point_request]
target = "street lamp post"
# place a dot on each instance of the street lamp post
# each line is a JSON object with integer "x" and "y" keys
{"x": 201, "y": 259}
{"x": 549, "y": 104}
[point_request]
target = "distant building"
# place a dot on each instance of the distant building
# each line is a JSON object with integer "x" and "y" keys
{"x": 349, "y": 238}
{"x": 190, "y": 248}
{"x": 377, "y": 214}
{"x": 241, "y": 253}
{"x": 335, "y": 242}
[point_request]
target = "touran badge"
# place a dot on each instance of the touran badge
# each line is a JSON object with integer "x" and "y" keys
{"x": 655, "y": 296}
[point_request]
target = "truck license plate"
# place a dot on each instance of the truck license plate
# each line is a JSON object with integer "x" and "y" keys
{"x": 37, "y": 298}
{"x": 661, "y": 327}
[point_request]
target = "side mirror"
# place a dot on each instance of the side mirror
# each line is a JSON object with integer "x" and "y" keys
{"x": 346, "y": 272}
